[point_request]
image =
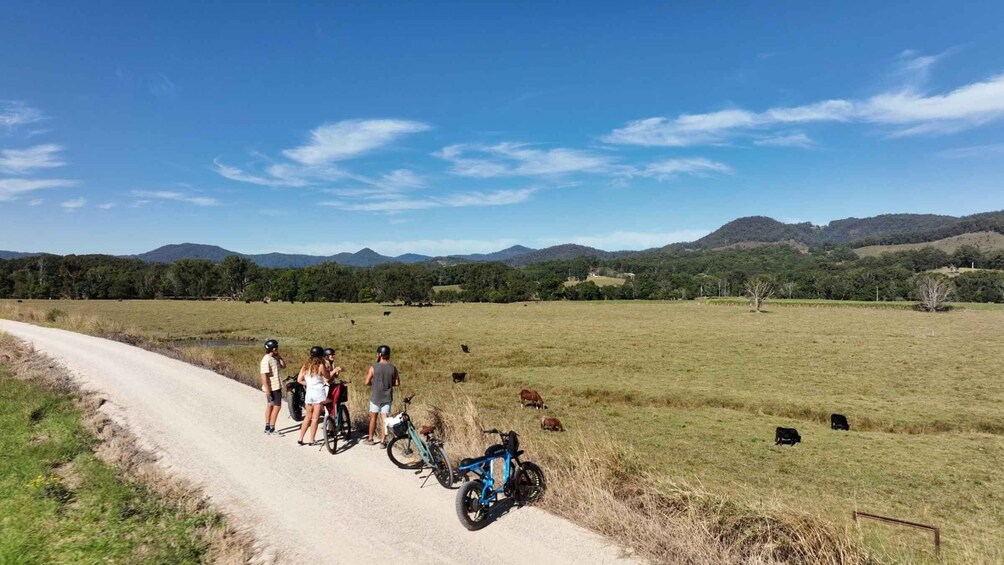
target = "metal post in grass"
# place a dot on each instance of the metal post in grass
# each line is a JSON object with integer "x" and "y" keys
{"x": 897, "y": 521}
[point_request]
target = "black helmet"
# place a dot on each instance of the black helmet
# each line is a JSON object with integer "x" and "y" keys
{"x": 317, "y": 351}
{"x": 270, "y": 345}
{"x": 384, "y": 351}
{"x": 329, "y": 351}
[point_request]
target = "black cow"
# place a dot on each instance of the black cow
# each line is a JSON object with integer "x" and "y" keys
{"x": 353, "y": 322}
{"x": 464, "y": 348}
{"x": 786, "y": 436}
{"x": 459, "y": 377}
{"x": 386, "y": 313}
{"x": 839, "y": 422}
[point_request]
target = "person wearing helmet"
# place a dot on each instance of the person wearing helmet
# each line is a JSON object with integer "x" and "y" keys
{"x": 312, "y": 375}
{"x": 271, "y": 363}
{"x": 381, "y": 378}
{"x": 329, "y": 362}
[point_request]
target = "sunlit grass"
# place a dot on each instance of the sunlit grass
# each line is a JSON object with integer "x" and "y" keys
{"x": 689, "y": 391}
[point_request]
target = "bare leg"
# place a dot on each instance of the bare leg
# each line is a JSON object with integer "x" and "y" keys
{"x": 373, "y": 419}
{"x": 313, "y": 422}
{"x": 383, "y": 428}
{"x": 275, "y": 414}
{"x": 307, "y": 416}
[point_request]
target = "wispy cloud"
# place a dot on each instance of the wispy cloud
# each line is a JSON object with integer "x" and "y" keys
{"x": 35, "y": 202}
{"x": 905, "y": 112}
{"x": 350, "y": 138}
{"x": 11, "y": 188}
{"x": 106, "y": 205}
{"x": 519, "y": 159}
{"x": 74, "y": 204}
{"x": 790, "y": 140}
{"x": 24, "y": 161}
{"x": 974, "y": 151}
{"x": 317, "y": 161}
{"x": 176, "y": 196}
{"x": 14, "y": 114}
{"x": 401, "y": 203}
{"x": 670, "y": 168}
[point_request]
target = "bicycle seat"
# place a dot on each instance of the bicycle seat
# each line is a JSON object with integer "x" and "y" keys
{"x": 426, "y": 430}
{"x": 469, "y": 461}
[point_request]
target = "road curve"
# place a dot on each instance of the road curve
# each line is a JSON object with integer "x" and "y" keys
{"x": 303, "y": 503}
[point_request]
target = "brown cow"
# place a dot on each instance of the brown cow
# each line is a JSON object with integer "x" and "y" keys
{"x": 553, "y": 424}
{"x": 531, "y": 398}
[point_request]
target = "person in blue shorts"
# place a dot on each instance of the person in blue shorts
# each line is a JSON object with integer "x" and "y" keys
{"x": 381, "y": 378}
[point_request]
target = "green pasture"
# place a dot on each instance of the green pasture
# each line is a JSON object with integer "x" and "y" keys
{"x": 60, "y": 504}
{"x": 691, "y": 391}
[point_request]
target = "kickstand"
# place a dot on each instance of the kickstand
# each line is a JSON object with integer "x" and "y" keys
{"x": 426, "y": 477}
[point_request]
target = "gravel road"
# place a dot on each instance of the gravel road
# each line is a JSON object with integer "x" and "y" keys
{"x": 302, "y": 503}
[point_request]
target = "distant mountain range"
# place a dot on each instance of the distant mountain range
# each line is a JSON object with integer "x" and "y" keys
{"x": 887, "y": 229}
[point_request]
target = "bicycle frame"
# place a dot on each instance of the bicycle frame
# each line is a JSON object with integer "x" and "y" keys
{"x": 423, "y": 449}
{"x": 482, "y": 467}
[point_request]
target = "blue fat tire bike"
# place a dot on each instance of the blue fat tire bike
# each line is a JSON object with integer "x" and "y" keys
{"x": 522, "y": 481}
{"x": 335, "y": 423}
{"x": 408, "y": 442}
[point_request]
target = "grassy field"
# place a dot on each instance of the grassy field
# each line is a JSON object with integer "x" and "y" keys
{"x": 686, "y": 394}
{"x": 985, "y": 241}
{"x": 60, "y": 504}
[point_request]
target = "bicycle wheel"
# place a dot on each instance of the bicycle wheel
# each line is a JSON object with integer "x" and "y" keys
{"x": 330, "y": 434}
{"x": 473, "y": 515}
{"x": 346, "y": 423}
{"x": 530, "y": 483}
{"x": 402, "y": 452}
{"x": 441, "y": 466}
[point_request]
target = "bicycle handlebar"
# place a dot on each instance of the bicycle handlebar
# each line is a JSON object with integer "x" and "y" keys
{"x": 407, "y": 399}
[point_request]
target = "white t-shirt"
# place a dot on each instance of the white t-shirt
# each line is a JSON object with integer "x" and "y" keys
{"x": 270, "y": 367}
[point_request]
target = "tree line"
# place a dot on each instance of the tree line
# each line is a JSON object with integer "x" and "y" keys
{"x": 828, "y": 272}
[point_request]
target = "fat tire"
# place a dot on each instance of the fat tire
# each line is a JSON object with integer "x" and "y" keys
{"x": 330, "y": 434}
{"x": 441, "y": 466}
{"x": 343, "y": 416}
{"x": 405, "y": 445}
{"x": 469, "y": 494}
{"x": 530, "y": 483}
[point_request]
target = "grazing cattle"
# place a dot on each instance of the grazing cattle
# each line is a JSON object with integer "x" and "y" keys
{"x": 459, "y": 377}
{"x": 464, "y": 348}
{"x": 531, "y": 398}
{"x": 19, "y": 300}
{"x": 248, "y": 301}
{"x": 552, "y": 424}
{"x": 386, "y": 313}
{"x": 353, "y": 322}
{"x": 839, "y": 422}
{"x": 786, "y": 436}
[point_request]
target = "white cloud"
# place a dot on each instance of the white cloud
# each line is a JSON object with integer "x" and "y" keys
{"x": 790, "y": 140}
{"x": 670, "y": 168}
{"x": 73, "y": 204}
{"x": 329, "y": 144}
{"x": 627, "y": 240}
{"x": 176, "y": 196}
{"x": 22, "y": 161}
{"x": 35, "y": 202}
{"x": 519, "y": 159}
{"x": 14, "y": 114}
{"x": 106, "y": 206}
{"x": 11, "y": 188}
{"x": 393, "y": 202}
{"x": 974, "y": 151}
{"x": 350, "y": 138}
{"x": 907, "y": 110}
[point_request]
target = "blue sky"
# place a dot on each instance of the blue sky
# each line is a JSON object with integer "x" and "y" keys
{"x": 321, "y": 127}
